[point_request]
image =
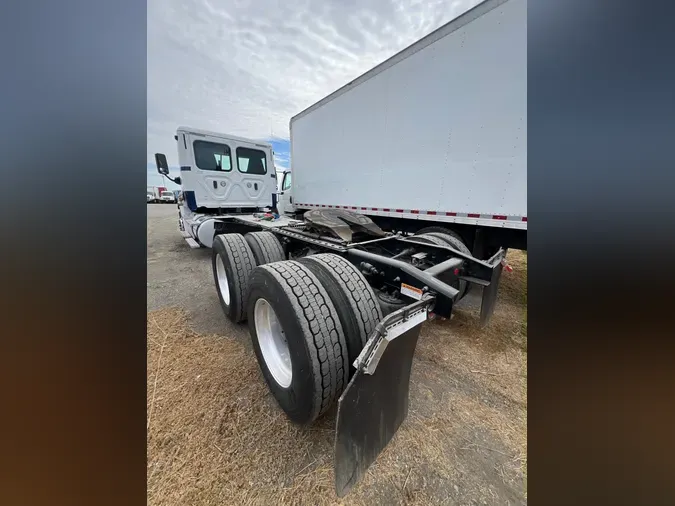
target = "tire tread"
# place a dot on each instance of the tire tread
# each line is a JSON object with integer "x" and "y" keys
{"x": 266, "y": 247}
{"x": 358, "y": 296}
{"x": 239, "y": 254}
{"x": 321, "y": 328}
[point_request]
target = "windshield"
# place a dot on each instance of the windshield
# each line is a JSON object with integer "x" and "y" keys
{"x": 167, "y": 194}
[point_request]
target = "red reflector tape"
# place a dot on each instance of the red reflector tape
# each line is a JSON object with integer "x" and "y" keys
{"x": 385, "y": 210}
{"x": 451, "y": 214}
{"x": 498, "y": 217}
{"x": 399, "y": 210}
{"x": 524, "y": 218}
{"x": 473, "y": 215}
{"x": 414, "y": 211}
{"x": 432, "y": 213}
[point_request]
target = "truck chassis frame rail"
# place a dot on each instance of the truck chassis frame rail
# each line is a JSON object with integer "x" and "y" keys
{"x": 485, "y": 273}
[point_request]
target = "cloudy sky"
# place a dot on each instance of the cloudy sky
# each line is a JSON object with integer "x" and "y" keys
{"x": 245, "y": 67}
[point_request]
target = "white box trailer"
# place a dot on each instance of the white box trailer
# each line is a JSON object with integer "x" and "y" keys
{"x": 437, "y": 134}
{"x": 156, "y": 193}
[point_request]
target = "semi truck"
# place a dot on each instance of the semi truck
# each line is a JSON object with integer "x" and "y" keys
{"x": 335, "y": 288}
{"x": 167, "y": 197}
{"x": 156, "y": 193}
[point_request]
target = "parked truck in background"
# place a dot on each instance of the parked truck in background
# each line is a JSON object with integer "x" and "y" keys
{"x": 167, "y": 197}
{"x": 156, "y": 192}
{"x": 435, "y": 136}
{"x": 334, "y": 301}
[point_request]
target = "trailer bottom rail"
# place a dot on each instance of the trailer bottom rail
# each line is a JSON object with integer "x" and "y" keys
{"x": 375, "y": 403}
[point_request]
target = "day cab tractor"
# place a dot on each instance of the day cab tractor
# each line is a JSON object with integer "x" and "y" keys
{"x": 334, "y": 304}
{"x": 429, "y": 191}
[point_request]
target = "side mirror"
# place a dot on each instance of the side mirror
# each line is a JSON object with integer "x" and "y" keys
{"x": 162, "y": 165}
{"x": 176, "y": 180}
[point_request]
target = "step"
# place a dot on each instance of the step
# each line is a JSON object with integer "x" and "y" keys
{"x": 192, "y": 243}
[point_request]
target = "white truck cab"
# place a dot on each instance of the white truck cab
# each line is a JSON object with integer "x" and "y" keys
{"x": 168, "y": 197}
{"x": 219, "y": 171}
{"x": 221, "y": 176}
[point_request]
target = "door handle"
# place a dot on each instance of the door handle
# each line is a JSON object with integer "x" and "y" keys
{"x": 215, "y": 185}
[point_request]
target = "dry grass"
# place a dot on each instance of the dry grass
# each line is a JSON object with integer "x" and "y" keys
{"x": 216, "y": 436}
{"x": 489, "y": 365}
{"x": 214, "y": 433}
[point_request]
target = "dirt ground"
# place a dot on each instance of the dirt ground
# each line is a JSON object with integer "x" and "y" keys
{"x": 216, "y": 436}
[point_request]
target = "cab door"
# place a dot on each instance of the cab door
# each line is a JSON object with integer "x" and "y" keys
{"x": 255, "y": 167}
{"x": 285, "y": 204}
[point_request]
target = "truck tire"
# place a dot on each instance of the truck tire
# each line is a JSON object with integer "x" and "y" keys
{"x": 297, "y": 338}
{"x": 452, "y": 240}
{"x": 355, "y": 301}
{"x": 266, "y": 247}
{"x": 232, "y": 262}
{"x": 442, "y": 239}
{"x": 440, "y": 230}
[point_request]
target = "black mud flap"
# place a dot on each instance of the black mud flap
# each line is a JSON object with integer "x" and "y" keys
{"x": 375, "y": 403}
{"x": 487, "y": 306}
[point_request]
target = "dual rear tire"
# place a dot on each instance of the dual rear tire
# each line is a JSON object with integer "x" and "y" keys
{"x": 303, "y": 353}
{"x": 232, "y": 263}
{"x": 308, "y": 319}
{"x": 234, "y": 256}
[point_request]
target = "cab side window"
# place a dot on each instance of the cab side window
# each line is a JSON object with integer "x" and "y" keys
{"x": 212, "y": 156}
{"x": 251, "y": 161}
{"x": 286, "y": 185}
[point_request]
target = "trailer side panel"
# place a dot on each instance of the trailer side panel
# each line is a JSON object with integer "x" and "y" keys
{"x": 440, "y": 130}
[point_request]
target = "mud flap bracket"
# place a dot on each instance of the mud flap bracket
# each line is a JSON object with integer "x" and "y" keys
{"x": 375, "y": 403}
{"x": 489, "y": 299}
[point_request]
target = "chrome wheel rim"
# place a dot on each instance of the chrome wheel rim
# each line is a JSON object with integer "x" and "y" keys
{"x": 273, "y": 344}
{"x": 223, "y": 285}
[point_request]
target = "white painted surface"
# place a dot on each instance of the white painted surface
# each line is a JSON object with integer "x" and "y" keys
{"x": 232, "y": 188}
{"x": 442, "y": 126}
{"x": 285, "y": 195}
